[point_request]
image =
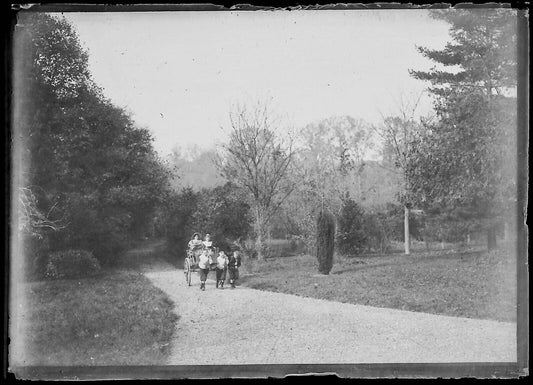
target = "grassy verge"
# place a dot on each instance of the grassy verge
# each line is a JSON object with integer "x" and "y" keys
{"x": 116, "y": 318}
{"x": 466, "y": 284}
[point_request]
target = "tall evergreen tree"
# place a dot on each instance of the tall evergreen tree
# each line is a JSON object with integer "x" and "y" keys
{"x": 465, "y": 163}
{"x": 87, "y": 165}
{"x": 325, "y": 241}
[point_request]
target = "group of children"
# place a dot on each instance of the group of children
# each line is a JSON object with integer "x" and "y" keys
{"x": 223, "y": 262}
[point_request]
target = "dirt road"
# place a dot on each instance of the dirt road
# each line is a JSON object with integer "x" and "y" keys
{"x": 246, "y": 326}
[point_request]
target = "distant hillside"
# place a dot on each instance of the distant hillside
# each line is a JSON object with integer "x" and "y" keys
{"x": 196, "y": 169}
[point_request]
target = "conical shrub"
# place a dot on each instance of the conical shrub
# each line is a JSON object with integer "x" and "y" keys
{"x": 325, "y": 242}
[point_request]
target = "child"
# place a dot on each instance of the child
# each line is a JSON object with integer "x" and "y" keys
{"x": 195, "y": 244}
{"x": 203, "y": 265}
{"x": 209, "y": 246}
{"x": 222, "y": 265}
{"x": 234, "y": 262}
{"x": 208, "y": 243}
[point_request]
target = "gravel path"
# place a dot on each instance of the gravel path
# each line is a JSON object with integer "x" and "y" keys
{"x": 247, "y": 326}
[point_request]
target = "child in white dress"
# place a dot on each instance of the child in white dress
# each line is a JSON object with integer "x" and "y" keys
{"x": 203, "y": 265}
{"x": 222, "y": 265}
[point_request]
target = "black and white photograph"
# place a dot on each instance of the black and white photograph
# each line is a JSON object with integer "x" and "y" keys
{"x": 214, "y": 192}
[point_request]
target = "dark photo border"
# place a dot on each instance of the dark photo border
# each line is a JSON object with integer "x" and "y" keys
{"x": 397, "y": 370}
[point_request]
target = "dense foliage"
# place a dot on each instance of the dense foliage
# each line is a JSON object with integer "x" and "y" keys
{"x": 325, "y": 243}
{"x": 222, "y": 212}
{"x": 373, "y": 229}
{"x": 464, "y": 164}
{"x": 93, "y": 175}
{"x": 71, "y": 264}
{"x": 351, "y": 235}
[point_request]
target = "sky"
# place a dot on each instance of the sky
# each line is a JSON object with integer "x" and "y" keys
{"x": 179, "y": 73}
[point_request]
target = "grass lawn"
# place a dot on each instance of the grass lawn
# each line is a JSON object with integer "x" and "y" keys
{"x": 116, "y": 318}
{"x": 466, "y": 284}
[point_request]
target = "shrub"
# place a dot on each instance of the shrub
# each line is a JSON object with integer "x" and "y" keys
{"x": 293, "y": 245}
{"x": 351, "y": 237}
{"x": 379, "y": 230}
{"x": 325, "y": 243}
{"x": 385, "y": 224}
{"x": 71, "y": 264}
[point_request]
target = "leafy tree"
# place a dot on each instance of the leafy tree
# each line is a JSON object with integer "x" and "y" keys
{"x": 221, "y": 211}
{"x": 258, "y": 158}
{"x": 224, "y": 212}
{"x": 466, "y": 161}
{"x": 84, "y": 160}
{"x": 179, "y": 218}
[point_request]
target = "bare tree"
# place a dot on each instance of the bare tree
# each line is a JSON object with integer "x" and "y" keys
{"x": 397, "y": 133}
{"x": 257, "y": 157}
{"x": 331, "y": 158}
{"x": 31, "y": 220}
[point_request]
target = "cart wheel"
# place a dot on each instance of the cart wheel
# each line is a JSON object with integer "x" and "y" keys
{"x": 187, "y": 271}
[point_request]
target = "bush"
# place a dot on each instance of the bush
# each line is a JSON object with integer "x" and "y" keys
{"x": 351, "y": 237}
{"x": 71, "y": 264}
{"x": 379, "y": 228}
{"x": 386, "y": 224}
{"x": 325, "y": 244}
{"x": 106, "y": 247}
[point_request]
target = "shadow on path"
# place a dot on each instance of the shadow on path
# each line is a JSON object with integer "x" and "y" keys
{"x": 148, "y": 256}
{"x": 360, "y": 264}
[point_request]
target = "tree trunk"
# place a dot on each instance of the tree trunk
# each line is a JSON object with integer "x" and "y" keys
{"x": 259, "y": 228}
{"x": 468, "y": 239}
{"x": 259, "y": 245}
{"x": 491, "y": 238}
{"x": 407, "y": 236}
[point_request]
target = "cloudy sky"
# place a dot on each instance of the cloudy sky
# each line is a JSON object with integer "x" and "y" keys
{"x": 178, "y": 73}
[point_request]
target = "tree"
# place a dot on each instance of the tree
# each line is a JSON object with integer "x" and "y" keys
{"x": 257, "y": 158}
{"x": 179, "y": 218}
{"x": 84, "y": 160}
{"x": 325, "y": 244}
{"x": 351, "y": 237}
{"x": 331, "y": 157}
{"x": 465, "y": 163}
{"x": 223, "y": 212}
{"x": 397, "y": 133}
{"x": 328, "y": 163}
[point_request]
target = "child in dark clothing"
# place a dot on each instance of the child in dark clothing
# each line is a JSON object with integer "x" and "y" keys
{"x": 234, "y": 262}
